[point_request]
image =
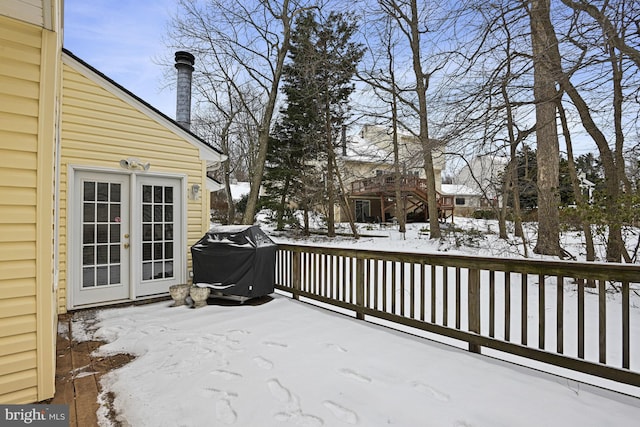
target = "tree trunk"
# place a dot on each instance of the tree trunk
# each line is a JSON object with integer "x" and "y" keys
{"x": 422, "y": 80}
{"x": 615, "y": 243}
{"x": 548, "y": 152}
{"x": 345, "y": 199}
{"x": 282, "y": 205}
{"x": 331, "y": 226}
{"x": 401, "y": 212}
{"x": 575, "y": 185}
{"x": 265, "y": 122}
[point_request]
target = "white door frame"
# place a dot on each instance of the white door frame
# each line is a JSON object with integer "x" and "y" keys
{"x": 74, "y": 243}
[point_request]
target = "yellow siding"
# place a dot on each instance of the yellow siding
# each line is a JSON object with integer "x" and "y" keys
{"x": 29, "y": 60}
{"x": 100, "y": 128}
{"x": 19, "y": 86}
{"x": 25, "y": 10}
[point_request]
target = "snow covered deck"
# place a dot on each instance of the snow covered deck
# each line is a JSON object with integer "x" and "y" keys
{"x": 287, "y": 363}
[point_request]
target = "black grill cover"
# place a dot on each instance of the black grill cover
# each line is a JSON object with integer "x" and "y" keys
{"x": 235, "y": 260}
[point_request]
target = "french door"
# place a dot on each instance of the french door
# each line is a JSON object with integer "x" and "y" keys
{"x": 102, "y": 231}
{"x": 158, "y": 252}
{"x": 126, "y": 236}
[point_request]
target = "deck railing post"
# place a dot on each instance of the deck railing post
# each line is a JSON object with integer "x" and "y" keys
{"x": 474, "y": 306}
{"x": 360, "y": 288}
{"x": 297, "y": 274}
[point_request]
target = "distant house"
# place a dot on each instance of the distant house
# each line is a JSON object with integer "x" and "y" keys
{"x": 483, "y": 175}
{"x": 367, "y": 167}
{"x": 587, "y": 187}
{"x": 100, "y": 197}
{"x": 465, "y": 199}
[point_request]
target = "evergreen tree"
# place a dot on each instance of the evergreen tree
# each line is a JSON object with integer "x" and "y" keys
{"x": 317, "y": 85}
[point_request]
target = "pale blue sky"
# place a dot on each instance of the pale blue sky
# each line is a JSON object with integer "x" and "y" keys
{"x": 124, "y": 40}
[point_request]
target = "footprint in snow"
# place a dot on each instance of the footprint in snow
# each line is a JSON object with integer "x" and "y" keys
{"x": 423, "y": 388}
{"x": 461, "y": 423}
{"x": 214, "y": 392}
{"x": 349, "y": 373}
{"x": 337, "y": 348}
{"x": 275, "y": 344}
{"x": 263, "y": 363}
{"x": 341, "y": 413}
{"x": 299, "y": 419}
{"x": 278, "y": 391}
{"x": 227, "y": 375}
{"x": 224, "y": 412}
{"x": 239, "y": 331}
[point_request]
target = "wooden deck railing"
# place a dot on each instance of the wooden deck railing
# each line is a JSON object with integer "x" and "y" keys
{"x": 385, "y": 184}
{"x": 541, "y": 310}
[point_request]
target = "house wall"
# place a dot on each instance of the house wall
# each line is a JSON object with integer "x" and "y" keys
{"x": 482, "y": 173}
{"x": 409, "y": 151}
{"x": 99, "y": 129}
{"x": 30, "y": 11}
{"x": 29, "y": 89}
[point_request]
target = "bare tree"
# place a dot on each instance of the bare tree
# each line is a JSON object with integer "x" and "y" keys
{"x": 253, "y": 40}
{"x": 612, "y": 160}
{"x": 581, "y": 203}
{"x": 410, "y": 22}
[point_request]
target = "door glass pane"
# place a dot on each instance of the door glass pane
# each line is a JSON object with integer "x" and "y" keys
{"x": 157, "y": 227}
{"x": 146, "y": 213}
{"x": 89, "y": 191}
{"x": 114, "y": 274}
{"x": 114, "y": 233}
{"x": 102, "y": 275}
{"x": 88, "y": 233}
{"x": 88, "y": 214}
{"x": 147, "y": 272}
{"x": 157, "y": 194}
{"x": 101, "y": 233}
{"x": 115, "y": 192}
{"x": 103, "y": 191}
{"x": 146, "y": 232}
{"x": 88, "y": 255}
{"x": 101, "y": 257}
{"x": 146, "y": 194}
{"x": 146, "y": 251}
{"x": 114, "y": 256}
{"x": 103, "y": 212}
{"x": 115, "y": 212}
{"x": 157, "y": 251}
{"x": 88, "y": 277}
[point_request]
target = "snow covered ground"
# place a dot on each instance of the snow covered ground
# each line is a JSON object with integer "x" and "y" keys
{"x": 286, "y": 363}
{"x": 465, "y": 236}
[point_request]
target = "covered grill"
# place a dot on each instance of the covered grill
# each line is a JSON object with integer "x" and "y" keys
{"x": 235, "y": 261}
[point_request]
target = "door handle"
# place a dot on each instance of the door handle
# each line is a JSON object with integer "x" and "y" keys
{"x": 126, "y": 246}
